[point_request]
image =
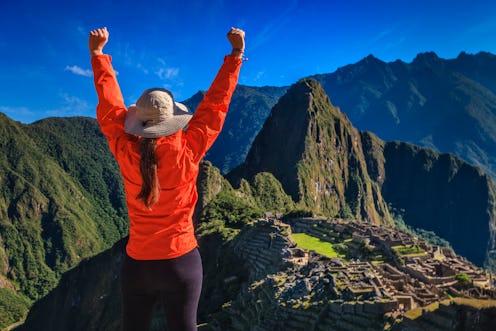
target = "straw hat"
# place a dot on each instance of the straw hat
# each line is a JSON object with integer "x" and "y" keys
{"x": 156, "y": 115}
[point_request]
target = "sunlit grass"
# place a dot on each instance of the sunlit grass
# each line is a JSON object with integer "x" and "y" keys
{"x": 439, "y": 256}
{"x": 476, "y": 303}
{"x": 417, "y": 312}
{"x": 307, "y": 242}
{"x": 409, "y": 250}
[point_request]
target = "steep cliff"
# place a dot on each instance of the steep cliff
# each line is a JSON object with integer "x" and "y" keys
{"x": 248, "y": 110}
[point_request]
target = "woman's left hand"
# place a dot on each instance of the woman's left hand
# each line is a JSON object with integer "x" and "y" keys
{"x": 237, "y": 39}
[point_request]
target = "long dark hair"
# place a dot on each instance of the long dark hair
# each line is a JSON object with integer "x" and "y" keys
{"x": 150, "y": 189}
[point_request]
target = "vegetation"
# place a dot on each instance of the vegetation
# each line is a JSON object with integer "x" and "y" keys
{"x": 463, "y": 279}
{"x": 235, "y": 212}
{"x": 61, "y": 200}
{"x": 417, "y": 312}
{"x": 408, "y": 250}
{"x": 320, "y": 164}
{"x": 307, "y": 242}
{"x": 13, "y": 307}
{"x": 269, "y": 194}
{"x": 475, "y": 303}
{"x": 297, "y": 213}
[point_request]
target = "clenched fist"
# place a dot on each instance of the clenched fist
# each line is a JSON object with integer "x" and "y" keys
{"x": 97, "y": 40}
{"x": 237, "y": 39}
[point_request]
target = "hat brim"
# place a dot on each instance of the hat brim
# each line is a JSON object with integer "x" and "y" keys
{"x": 133, "y": 125}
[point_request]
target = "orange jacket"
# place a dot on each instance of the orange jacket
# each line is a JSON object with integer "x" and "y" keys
{"x": 167, "y": 230}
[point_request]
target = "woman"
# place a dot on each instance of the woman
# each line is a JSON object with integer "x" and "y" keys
{"x": 159, "y": 162}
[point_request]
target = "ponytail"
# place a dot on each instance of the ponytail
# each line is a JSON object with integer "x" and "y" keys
{"x": 150, "y": 189}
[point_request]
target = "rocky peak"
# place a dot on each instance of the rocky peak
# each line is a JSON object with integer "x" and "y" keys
{"x": 429, "y": 60}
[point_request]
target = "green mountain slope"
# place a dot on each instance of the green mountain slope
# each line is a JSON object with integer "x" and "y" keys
{"x": 55, "y": 204}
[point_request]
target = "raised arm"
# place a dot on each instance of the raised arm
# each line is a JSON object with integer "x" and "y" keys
{"x": 209, "y": 117}
{"x": 110, "y": 111}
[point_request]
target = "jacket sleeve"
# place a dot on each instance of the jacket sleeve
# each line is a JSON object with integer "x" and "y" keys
{"x": 207, "y": 122}
{"x": 110, "y": 111}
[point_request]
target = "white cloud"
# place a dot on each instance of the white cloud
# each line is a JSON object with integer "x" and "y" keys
{"x": 259, "y": 75}
{"x": 79, "y": 71}
{"x": 167, "y": 73}
{"x": 381, "y": 35}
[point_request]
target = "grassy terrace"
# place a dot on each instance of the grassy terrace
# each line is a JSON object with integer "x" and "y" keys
{"x": 409, "y": 250}
{"x": 307, "y": 242}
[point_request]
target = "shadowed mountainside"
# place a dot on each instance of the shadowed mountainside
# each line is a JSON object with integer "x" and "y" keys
{"x": 437, "y": 192}
{"x": 448, "y": 105}
{"x": 248, "y": 110}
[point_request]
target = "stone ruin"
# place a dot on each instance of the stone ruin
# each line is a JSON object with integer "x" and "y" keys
{"x": 293, "y": 289}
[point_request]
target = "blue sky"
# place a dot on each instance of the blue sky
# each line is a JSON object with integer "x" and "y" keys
{"x": 45, "y": 69}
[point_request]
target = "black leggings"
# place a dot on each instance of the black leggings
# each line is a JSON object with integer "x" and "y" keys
{"x": 176, "y": 283}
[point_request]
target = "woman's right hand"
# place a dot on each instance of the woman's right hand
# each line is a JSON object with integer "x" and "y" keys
{"x": 97, "y": 40}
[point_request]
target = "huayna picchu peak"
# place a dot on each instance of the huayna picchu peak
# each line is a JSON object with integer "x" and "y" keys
{"x": 316, "y": 154}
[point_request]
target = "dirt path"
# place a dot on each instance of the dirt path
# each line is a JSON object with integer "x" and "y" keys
{"x": 12, "y": 326}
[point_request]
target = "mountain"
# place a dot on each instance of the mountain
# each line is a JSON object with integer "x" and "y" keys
{"x": 439, "y": 193}
{"x": 447, "y": 105}
{"x": 316, "y": 154}
{"x": 86, "y": 298}
{"x": 60, "y": 201}
{"x": 248, "y": 110}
